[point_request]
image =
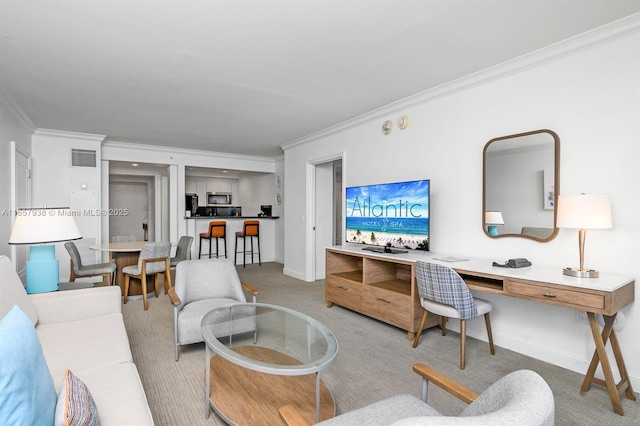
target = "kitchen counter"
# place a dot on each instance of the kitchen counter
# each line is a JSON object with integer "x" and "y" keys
{"x": 231, "y": 217}
{"x": 200, "y": 224}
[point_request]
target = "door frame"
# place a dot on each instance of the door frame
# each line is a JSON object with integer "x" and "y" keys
{"x": 310, "y": 208}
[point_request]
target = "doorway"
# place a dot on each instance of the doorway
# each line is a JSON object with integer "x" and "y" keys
{"x": 326, "y": 211}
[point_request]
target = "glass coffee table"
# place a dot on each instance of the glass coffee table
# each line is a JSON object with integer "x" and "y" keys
{"x": 266, "y": 357}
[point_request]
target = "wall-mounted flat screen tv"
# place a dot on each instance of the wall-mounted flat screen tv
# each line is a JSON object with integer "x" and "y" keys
{"x": 389, "y": 215}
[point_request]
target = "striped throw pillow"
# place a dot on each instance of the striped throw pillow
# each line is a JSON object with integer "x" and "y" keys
{"x": 75, "y": 404}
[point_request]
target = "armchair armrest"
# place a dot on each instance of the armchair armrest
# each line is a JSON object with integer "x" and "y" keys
{"x": 291, "y": 416}
{"x": 252, "y": 290}
{"x": 175, "y": 300}
{"x": 454, "y": 388}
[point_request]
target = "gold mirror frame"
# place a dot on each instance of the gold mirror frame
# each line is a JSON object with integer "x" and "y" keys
{"x": 556, "y": 184}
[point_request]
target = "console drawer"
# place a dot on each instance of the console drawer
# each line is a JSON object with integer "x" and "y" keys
{"x": 561, "y": 296}
{"x": 343, "y": 292}
{"x": 388, "y": 306}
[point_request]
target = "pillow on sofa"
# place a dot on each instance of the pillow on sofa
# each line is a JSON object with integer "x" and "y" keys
{"x": 27, "y": 394}
{"x": 75, "y": 405}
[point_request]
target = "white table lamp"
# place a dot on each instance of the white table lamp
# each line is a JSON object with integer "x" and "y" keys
{"x": 38, "y": 227}
{"x": 493, "y": 219}
{"x": 582, "y": 212}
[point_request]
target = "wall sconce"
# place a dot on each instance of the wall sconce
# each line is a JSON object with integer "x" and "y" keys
{"x": 582, "y": 212}
{"x": 492, "y": 219}
{"x": 37, "y": 227}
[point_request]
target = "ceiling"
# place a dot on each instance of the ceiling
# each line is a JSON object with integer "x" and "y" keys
{"x": 245, "y": 77}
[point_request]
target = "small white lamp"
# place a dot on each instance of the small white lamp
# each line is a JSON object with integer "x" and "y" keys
{"x": 37, "y": 227}
{"x": 492, "y": 219}
{"x": 582, "y": 212}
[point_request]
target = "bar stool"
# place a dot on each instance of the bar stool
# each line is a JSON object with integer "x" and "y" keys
{"x": 251, "y": 229}
{"x": 217, "y": 229}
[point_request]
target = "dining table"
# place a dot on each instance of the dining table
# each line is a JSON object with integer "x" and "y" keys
{"x": 124, "y": 254}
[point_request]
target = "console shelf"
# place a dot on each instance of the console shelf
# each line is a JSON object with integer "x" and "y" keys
{"x": 381, "y": 288}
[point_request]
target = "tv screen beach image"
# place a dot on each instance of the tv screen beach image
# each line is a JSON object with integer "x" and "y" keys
{"x": 390, "y": 213}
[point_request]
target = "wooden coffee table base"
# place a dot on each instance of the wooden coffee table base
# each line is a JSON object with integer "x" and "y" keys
{"x": 246, "y": 397}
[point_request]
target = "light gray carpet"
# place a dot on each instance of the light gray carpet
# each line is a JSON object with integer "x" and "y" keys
{"x": 374, "y": 360}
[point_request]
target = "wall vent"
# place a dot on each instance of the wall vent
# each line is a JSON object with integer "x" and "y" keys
{"x": 83, "y": 158}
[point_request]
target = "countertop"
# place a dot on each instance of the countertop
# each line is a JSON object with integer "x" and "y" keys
{"x": 232, "y": 217}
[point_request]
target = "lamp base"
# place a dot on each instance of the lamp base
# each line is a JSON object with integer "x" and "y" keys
{"x": 42, "y": 269}
{"x": 581, "y": 273}
{"x": 492, "y": 229}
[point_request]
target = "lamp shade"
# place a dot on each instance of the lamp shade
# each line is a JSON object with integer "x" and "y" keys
{"x": 493, "y": 218}
{"x": 584, "y": 211}
{"x": 44, "y": 225}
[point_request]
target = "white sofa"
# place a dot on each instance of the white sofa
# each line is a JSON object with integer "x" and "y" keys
{"x": 83, "y": 330}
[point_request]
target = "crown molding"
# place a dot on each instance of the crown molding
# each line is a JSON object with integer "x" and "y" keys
{"x": 187, "y": 151}
{"x": 69, "y": 135}
{"x": 16, "y": 112}
{"x": 554, "y": 52}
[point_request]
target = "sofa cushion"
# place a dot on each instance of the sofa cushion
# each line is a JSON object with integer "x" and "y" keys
{"x": 12, "y": 292}
{"x": 75, "y": 406}
{"x": 82, "y": 344}
{"x": 27, "y": 393}
{"x": 118, "y": 393}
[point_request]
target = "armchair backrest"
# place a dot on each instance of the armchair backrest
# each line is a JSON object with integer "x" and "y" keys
{"x": 521, "y": 397}
{"x": 443, "y": 285}
{"x": 208, "y": 279}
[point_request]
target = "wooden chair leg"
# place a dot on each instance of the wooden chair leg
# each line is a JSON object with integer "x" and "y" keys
{"x": 156, "y": 280}
{"x": 487, "y": 321}
{"x": 443, "y": 325}
{"x": 126, "y": 287}
{"x": 167, "y": 277}
{"x": 143, "y": 279}
{"x": 423, "y": 320}
{"x": 463, "y": 339}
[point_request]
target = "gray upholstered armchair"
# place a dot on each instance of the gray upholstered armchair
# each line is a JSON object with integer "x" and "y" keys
{"x": 519, "y": 398}
{"x": 202, "y": 285}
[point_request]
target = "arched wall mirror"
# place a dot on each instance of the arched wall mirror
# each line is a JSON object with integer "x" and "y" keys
{"x": 521, "y": 182}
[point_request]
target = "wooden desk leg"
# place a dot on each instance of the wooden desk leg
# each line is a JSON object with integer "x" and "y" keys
{"x": 600, "y": 357}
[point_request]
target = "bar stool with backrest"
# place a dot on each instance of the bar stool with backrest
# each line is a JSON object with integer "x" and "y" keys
{"x": 217, "y": 229}
{"x": 153, "y": 260}
{"x": 251, "y": 229}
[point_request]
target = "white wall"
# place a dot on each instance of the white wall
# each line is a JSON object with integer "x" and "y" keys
{"x": 589, "y": 95}
{"x": 13, "y": 127}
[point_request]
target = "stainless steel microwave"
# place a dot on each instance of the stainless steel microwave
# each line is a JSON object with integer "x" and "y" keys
{"x": 216, "y": 198}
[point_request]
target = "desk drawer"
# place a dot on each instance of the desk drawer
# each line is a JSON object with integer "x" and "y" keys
{"x": 577, "y": 299}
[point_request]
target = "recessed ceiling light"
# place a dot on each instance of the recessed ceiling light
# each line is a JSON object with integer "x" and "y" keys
{"x": 134, "y": 164}
{"x": 225, "y": 171}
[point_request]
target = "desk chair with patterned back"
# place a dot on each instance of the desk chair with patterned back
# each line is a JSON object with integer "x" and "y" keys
{"x": 251, "y": 230}
{"x": 217, "y": 229}
{"x": 153, "y": 260}
{"x": 443, "y": 292}
{"x": 78, "y": 270}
